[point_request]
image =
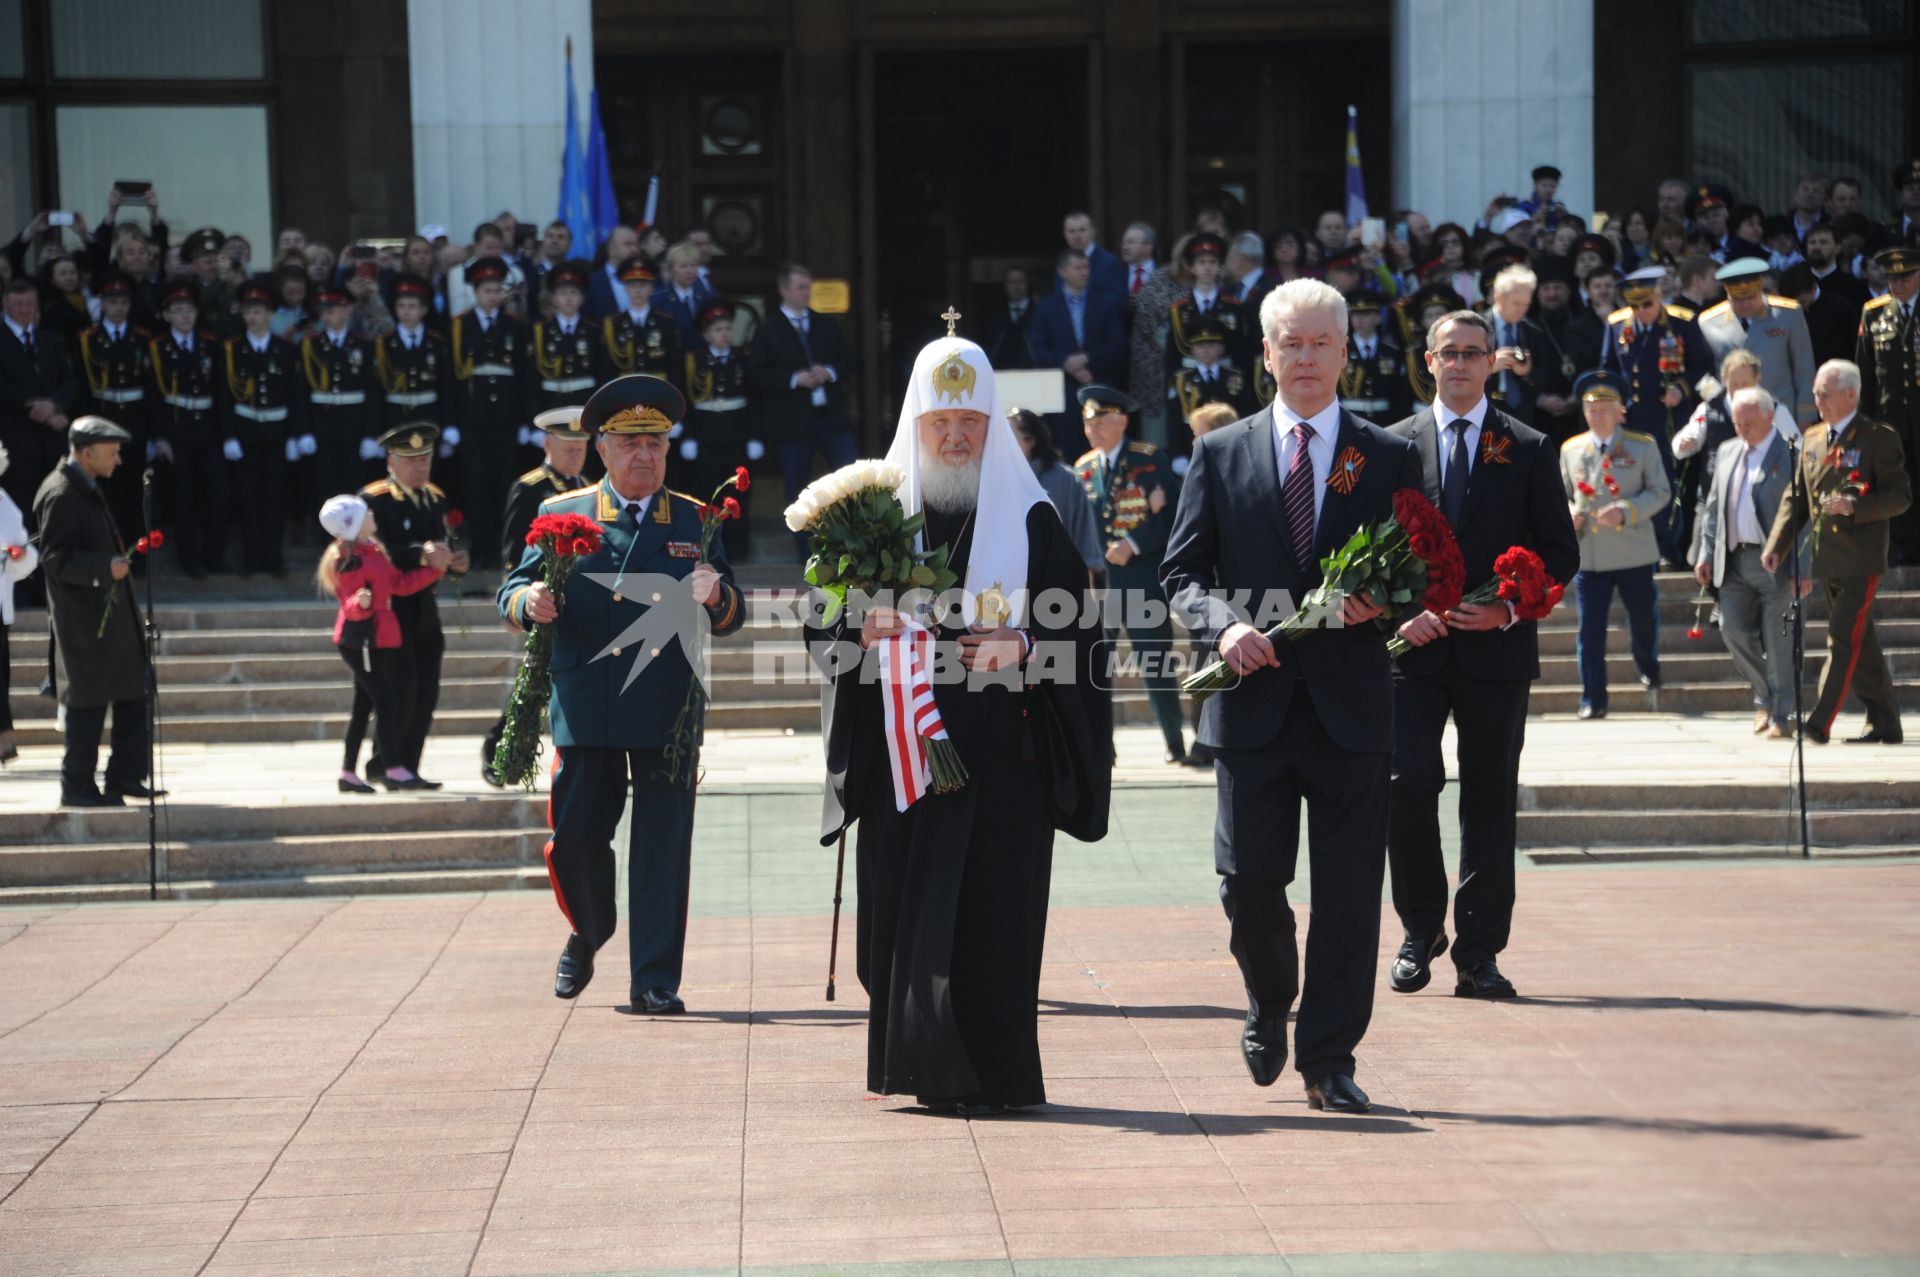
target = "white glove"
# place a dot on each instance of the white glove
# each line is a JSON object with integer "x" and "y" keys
{"x": 308, "y": 445}
{"x": 232, "y": 449}
{"x": 451, "y": 437}
{"x": 525, "y": 435}
{"x": 1180, "y": 465}
{"x": 689, "y": 450}
{"x": 755, "y": 450}
{"x": 369, "y": 450}
{"x": 293, "y": 451}
{"x": 678, "y": 426}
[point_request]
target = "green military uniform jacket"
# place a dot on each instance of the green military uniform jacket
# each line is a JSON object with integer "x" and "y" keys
{"x": 1633, "y": 460}
{"x": 599, "y": 697}
{"x": 1847, "y": 545}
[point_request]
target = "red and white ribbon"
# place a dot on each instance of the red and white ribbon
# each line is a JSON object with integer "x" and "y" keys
{"x": 912, "y": 717}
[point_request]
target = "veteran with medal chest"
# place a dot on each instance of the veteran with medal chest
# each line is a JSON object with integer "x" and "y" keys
{"x": 1888, "y": 353}
{"x": 621, "y": 671}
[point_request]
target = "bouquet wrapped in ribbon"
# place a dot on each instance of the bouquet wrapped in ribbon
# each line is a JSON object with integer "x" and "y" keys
{"x": 862, "y": 538}
{"x": 563, "y": 540}
{"x": 145, "y": 545}
{"x": 682, "y": 750}
{"x": 1380, "y": 561}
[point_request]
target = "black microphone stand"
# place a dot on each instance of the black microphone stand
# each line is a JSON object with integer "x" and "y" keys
{"x": 151, "y": 653}
{"x": 1797, "y": 637}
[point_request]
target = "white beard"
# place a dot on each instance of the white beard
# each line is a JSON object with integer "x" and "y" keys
{"x": 949, "y": 489}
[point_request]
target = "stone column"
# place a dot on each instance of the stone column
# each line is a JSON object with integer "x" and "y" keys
{"x": 489, "y": 105}
{"x": 1485, "y": 90}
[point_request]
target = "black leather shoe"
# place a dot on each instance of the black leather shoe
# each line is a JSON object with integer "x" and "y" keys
{"x": 424, "y": 783}
{"x": 1263, "y": 1045}
{"x": 1588, "y": 711}
{"x": 1176, "y": 757}
{"x": 1413, "y": 968}
{"x": 90, "y": 800}
{"x": 1200, "y": 756}
{"x": 1337, "y": 1093}
{"x": 492, "y": 777}
{"x": 135, "y": 790}
{"x": 1483, "y": 980}
{"x": 658, "y": 1002}
{"x": 575, "y": 972}
{"x": 355, "y": 786}
{"x": 1874, "y": 736}
{"x": 1815, "y": 735}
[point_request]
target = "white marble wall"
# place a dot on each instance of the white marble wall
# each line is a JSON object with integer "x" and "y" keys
{"x": 489, "y": 105}
{"x": 1485, "y": 90}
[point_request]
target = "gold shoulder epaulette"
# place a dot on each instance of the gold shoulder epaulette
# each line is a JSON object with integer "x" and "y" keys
{"x": 1716, "y": 309}
{"x": 1577, "y": 439}
{"x": 1087, "y": 456}
{"x": 563, "y": 496}
{"x": 435, "y": 490}
{"x": 1785, "y": 303}
{"x": 1621, "y": 316}
{"x": 1636, "y": 435}
{"x": 1679, "y": 312}
{"x": 536, "y": 475}
{"x": 378, "y": 488}
{"x": 1884, "y": 299}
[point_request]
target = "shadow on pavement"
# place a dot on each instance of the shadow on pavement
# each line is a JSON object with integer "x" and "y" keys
{"x": 1662, "y": 1125}
{"x": 1704, "y": 1004}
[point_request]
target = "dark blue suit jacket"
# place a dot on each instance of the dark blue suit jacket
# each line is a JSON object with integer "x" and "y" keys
{"x": 1051, "y": 339}
{"x": 605, "y": 297}
{"x": 1230, "y": 536}
{"x": 669, "y": 303}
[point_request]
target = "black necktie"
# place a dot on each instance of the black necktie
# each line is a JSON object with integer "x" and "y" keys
{"x": 27, "y": 340}
{"x": 806, "y": 347}
{"x": 633, "y": 512}
{"x": 1453, "y": 490}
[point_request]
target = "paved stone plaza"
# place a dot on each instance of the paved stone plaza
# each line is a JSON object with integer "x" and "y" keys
{"x": 1712, "y": 1071}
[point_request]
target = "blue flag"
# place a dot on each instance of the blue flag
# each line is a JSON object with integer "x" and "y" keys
{"x": 1356, "y": 188}
{"x": 576, "y": 205}
{"x": 599, "y": 176}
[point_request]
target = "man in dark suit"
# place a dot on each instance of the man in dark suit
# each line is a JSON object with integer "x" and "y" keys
{"x": 798, "y": 366}
{"x": 37, "y": 390}
{"x": 1081, "y": 331}
{"x": 1497, "y": 482}
{"x": 1109, "y": 274}
{"x": 1007, "y": 325}
{"x": 1310, "y": 719}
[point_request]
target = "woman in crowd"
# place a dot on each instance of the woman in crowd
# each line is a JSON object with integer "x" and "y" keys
{"x": 356, "y": 571}
{"x": 1287, "y": 254}
{"x": 1061, "y": 484}
{"x": 1147, "y": 343}
{"x": 18, "y": 559}
{"x": 66, "y": 307}
{"x": 1669, "y": 242}
{"x": 1638, "y": 234}
{"x": 293, "y": 318}
{"x": 1456, "y": 271}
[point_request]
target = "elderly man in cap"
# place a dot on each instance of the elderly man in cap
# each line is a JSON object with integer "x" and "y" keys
{"x": 1888, "y": 354}
{"x": 1657, "y": 353}
{"x": 564, "y": 441}
{"x": 618, "y": 695}
{"x": 100, "y": 657}
{"x": 1615, "y": 485}
{"x": 1771, "y": 327}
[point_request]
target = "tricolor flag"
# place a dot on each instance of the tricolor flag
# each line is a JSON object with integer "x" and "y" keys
{"x": 1356, "y": 188}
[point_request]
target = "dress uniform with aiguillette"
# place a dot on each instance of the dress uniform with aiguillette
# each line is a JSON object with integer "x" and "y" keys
{"x": 343, "y": 404}
{"x": 1188, "y": 311}
{"x": 1888, "y": 353}
{"x": 1374, "y": 383}
{"x": 415, "y": 369}
{"x": 117, "y": 362}
{"x": 719, "y": 420}
{"x": 1200, "y": 383}
{"x": 493, "y": 366}
{"x": 187, "y": 377}
{"x": 406, "y": 520}
{"x": 1132, "y": 494}
{"x": 1649, "y": 358}
{"x": 617, "y": 693}
{"x": 567, "y": 355}
{"x": 263, "y": 410}
{"x": 647, "y": 343}
{"x": 1861, "y": 459}
{"x": 1777, "y": 336}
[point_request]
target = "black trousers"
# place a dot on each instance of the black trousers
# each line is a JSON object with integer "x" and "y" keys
{"x": 1490, "y": 718}
{"x": 590, "y": 786}
{"x": 262, "y": 489}
{"x": 200, "y": 499}
{"x": 126, "y": 767}
{"x": 373, "y": 670}
{"x": 488, "y": 460}
{"x": 6, "y": 679}
{"x": 415, "y": 674}
{"x": 1256, "y": 848}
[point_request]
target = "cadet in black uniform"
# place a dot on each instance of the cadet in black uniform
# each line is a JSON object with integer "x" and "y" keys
{"x": 493, "y": 372}
{"x": 409, "y": 513}
{"x": 264, "y": 424}
{"x": 719, "y": 427}
{"x": 1374, "y": 383}
{"x": 415, "y": 371}
{"x": 343, "y": 401}
{"x": 186, "y": 426}
{"x": 1203, "y": 256}
{"x": 1211, "y": 377}
{"x": 114, "y": 355}
{"x": 564, "y": 443}
{"x": 566, "y": 352}
{"x": 640, "y": 337}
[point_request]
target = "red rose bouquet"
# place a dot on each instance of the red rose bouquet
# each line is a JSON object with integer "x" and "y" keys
{"x": 563, "y": 540}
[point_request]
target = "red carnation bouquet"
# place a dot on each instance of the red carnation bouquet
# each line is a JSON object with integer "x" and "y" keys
{"x": 145, "y": 545}
{"x": 682, "y": 750}
{"x": 563, "y": 540}
{"x": 1519, "y": 578}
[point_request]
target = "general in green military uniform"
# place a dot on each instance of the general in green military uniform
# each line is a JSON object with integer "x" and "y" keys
{"x": 1132, "y": 491}
{"x": 621, "y": 676}
{"x": 1853, "y": 481}
{"x": 1889, "y": 357}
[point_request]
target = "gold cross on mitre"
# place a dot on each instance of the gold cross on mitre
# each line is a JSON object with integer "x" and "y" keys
{"x": 952, "y": 317}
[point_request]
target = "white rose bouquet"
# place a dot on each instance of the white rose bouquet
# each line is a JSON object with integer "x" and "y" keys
{"x": 862, "y": 538}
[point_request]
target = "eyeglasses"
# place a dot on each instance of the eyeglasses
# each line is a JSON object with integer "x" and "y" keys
{"x": 1452, "y": 356}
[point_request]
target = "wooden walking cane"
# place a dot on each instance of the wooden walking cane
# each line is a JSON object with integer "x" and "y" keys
{"x": 833, "y": 954}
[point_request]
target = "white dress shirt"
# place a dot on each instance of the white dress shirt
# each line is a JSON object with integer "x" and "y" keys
{"x": 1740, "y": 485}
{"x": 1325, "y": 425}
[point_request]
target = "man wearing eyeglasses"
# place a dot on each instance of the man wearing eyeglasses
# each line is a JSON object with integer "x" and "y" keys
{"x": 1659, "y": 352}
{"x": 1497, "y": 482}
